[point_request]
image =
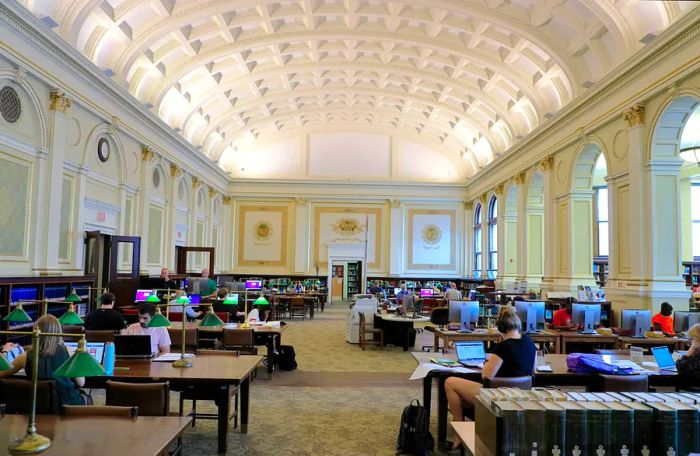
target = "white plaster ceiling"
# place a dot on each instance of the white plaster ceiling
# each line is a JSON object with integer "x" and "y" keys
{"x": 468, "y": 77}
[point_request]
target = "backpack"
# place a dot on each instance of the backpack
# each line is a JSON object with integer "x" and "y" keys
{"x": 286, "y": 358}
{"x": 414, "y": 437}
{"x": 588, "y": 363}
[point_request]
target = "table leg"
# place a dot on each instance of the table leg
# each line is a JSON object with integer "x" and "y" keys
{"x": 427, "y": 393}
{"x": 311, "y": 311}
{"x": 270, "y": 354}
{"x": 245, "y": 400}
{"x": 563, "y": 345}
{"x": 442, "y": 412}
{"x": 557, "y": 348}
{"x": 224, "y": 411}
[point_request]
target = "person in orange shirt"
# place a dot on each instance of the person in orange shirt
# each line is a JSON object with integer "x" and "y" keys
{"x": 663, "y": 321}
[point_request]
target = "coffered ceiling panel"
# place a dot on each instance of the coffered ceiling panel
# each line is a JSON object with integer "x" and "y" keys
{"x": 470, "y": 77}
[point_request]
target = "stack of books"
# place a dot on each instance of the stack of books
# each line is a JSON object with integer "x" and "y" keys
{"x": 552, "y": 423}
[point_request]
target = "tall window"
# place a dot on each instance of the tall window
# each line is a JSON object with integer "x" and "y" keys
{"x": 493, "y": 237}
{"x": 601, "y": 220}
{"x": 695, "y": 215}
{"x": 477, "y": 241}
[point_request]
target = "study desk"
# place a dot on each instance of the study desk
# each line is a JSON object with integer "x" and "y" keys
{"x": 560, "y": 376}
{"x": 447, "y": 336}
{"x": 574, "y": 337}
{"x": 106, "y": 436}
{"x": 208, "y": 372}
{"x": 397, "y": 330}
{"x": 673, "y": 343}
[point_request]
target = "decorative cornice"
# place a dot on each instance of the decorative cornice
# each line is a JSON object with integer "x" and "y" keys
{"x": 547, "y": 163}
{"x": 196, "y": 182}
{"x": 175, "y": 170}
{"x": 519, "y": 178}
{"x": 395, "y": 203}
{"x": 634, "y": 115}
{"x": 147, "y": 154}
{"x": 59, "y": 101}
{"x": 226, "y": 200}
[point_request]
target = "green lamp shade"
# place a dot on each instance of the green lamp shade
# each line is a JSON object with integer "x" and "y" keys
{"x": 71, "y": 318}
{"x": 158, "y": 320}
{"x": 183, "y": 300}
{"x": 153, "y": 297}
{"x": 231, "y": 299}
{"x": 73, "y": 297}
{"x": 17, "y": 316}
{"x": 81, "y": 364}
{"x": 4, "y": 364}
{"x": 211, "y": 319}
{"x": 261, "y": 301}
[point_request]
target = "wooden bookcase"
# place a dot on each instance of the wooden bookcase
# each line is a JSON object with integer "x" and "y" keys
{"x": 600, "y": 270}
{"x": 691, "y": 273}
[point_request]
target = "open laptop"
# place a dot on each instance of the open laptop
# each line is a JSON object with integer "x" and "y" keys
{"x": 96, "y": 349}
{"x": 470, "y": 353}
{"x": 663, "y": 358}
{"x": 132, "y": 346}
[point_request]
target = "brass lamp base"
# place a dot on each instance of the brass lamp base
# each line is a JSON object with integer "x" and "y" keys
{"x": 182, "y": 362}
{"x": 244, "y": 325}
{"x": 29, "y": 444}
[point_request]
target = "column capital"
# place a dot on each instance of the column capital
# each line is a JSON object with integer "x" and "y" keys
{"x": 547, "y": 163}
{"x": 147, "y": 154}
{"x": 519, "y": 178}
{"x": 499, "y": 189}
{"x": 635, "y": 115}
{"x": 300, "y": 200}
{"x": 226, "y": 200}
{"x": 482, "y": 198}
{"x": 469, "y": 205}
{"x": 175, "y": 171}
{"x": 59, "y": 101}
{"x": 196, "y": 182}
{"x": 212, "y": 192}
{"x": 395, "y": 203}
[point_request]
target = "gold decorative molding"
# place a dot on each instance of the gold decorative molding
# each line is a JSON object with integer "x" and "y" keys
{"x": 226, "y": 200}
{"x": 196, "y": 182}
{"x": 412, "y": 213}
{"x": 547, "y": 163}
{"x": 247, "y": 248}
{"x": 469, "y": 205}
{"x": 674, "y": 89}
{"x": 363, "y": 213}
{"x": 59, "y": 101}
{"x": 519, "y": 178}
{"x": 300, "y": 200}
{"x": 175, "y": 170}
{"x": 634, "y": 115}
{"x": 147, "y": 154}
{"x": 499, "y": 189}
{"x": 212, "y": 192}
{"x": 395, "y": 204}
{"x": 482, "y": 198}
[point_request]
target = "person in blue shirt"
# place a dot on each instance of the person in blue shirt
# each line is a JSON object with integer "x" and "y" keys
{"x": 376, "y": 289}
{"x": 403, "y": 292}
{"x": 298, "y": 288}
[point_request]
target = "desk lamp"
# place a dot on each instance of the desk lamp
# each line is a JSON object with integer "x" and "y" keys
{"x": 153, "y": 297}
{"x": 71, "y": 317}
{"x": 80, "y": 364}
{"x": 18, "y": 315}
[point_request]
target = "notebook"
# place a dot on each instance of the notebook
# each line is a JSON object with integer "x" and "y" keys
{"x": 470, "y": 354}
{"x": 663, "y": 358}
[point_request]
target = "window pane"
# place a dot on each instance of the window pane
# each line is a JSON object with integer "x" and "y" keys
{"x": 477, "y": 261}
{"x": 493, "y": 237}
{"x": 696, "y": 239}
{"x": 603, "y": 245}
{"x": 493, "y": 208}
{"x": 477, "y": 241}
{"x": 493, "y": 261}
{"x": 477, "y": 215}
{"x": 695, "y": 202}
{"x": 602, "y": 197}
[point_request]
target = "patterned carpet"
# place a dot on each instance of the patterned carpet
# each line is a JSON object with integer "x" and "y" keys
{"x": 340, "y": 401}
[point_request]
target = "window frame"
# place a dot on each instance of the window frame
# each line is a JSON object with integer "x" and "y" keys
{"x": 693, "y": 222}
{"x": 597, "y": 222}
{"x": 493, "y": 234}
{"x": 477, "y": 240}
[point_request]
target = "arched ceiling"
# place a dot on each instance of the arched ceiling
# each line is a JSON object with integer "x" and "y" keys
{"x": 469, "y": 76}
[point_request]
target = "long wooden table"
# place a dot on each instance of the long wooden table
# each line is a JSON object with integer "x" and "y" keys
{"x": 447, "y": 336}
{"x": 106, "y": 436}
{"x": 560, "y": 376}
{"x": 601, "y": 340}
{"x": 673, "y": 343}
{"x": 208, "y": 372}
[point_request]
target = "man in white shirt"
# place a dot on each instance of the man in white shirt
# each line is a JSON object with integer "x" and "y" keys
{"x": 160, "y": 339}
{"x": 452, "y": 293}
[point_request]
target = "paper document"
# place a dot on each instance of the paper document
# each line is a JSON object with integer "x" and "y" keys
{"x": 424, "y": 368}
{"x": 170, "y": 357}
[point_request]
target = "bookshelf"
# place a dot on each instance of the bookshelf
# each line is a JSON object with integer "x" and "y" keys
{"x": 389, "y": 283}
{"x": 691, "y": 273}
{"x": 353, "y": 279}
{"x": 600, "y": 270}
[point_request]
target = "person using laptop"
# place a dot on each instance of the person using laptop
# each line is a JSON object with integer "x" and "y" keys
{"x": 452, "y": 293}
{"x": 513, "y": 357}
{"x": 160, "y": 339}
{"x": 105, "y": 318}
{"x": 189, "y": 310}
{"x": 663, "y": 321}
{"x": 167, "y": 281}
{"x": 688, "y": 365}
{"x": 52, "y": 354}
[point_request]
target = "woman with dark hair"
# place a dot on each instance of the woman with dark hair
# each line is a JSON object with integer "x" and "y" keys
{"x": 52, "y": 354}
{"x": 514, "y": 356}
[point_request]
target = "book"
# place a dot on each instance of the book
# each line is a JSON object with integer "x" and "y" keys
{"x": 512, "y": 425}
{"x": 555, "y": 423}
{"x": 643, "y": 428}
{"x": 576, "y": 429}
{"x": 622, "y": 422}
{"x": 686, "y": 428}
{"x": 445, "y": 362}
{"x": 599, "y": 426}
{"x": 619, "y": 397}
{"x": 666, "y": 434}
{"x": 535, "y": 429}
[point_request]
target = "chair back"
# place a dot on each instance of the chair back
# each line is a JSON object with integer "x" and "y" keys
{"x": 524, "y": 382}
{"x": 72, "y": 329}
{"x": 363, "y": 321}
{"x": 624, "y": 383}
{"x": 253, "y": 315}
{"x": 100, "y": 410}
{"x": 440, "y": 316}
{"x": 176, "y": 337}
{"x": 238, "y": 337}
{"x": 95, "y": 335}
{"x": 152, "y": 399}
{"x": 16, "y": 394}
{"x": 174, "y": 316}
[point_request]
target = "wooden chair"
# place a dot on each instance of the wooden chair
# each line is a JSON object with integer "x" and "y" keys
{"x": 209, "y": 338}
{"x": 524, "y": 382}
{"x": 297, "y": 307}
{"x": 239, "y": 339}
{"x": 364, "y": 331}
{"x": 279, "y": 308}
{"x": 72, "y": 329}
{"x": 100, "y": 410}
{"x": 176, "y": 338}
{"x": 623, "y": 383}
{"x": 152, "y": 399}
{"x": 209, "y": 394}
{"x": 94, "y": 335}
{"x": 439, "y": 316}
{"x": 16, "y": 395}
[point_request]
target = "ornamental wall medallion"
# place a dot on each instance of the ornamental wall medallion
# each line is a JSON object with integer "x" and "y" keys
{"x": 347, "y": 227}
{"x": 431, "y": 235}
{"x": 263, "y": 231}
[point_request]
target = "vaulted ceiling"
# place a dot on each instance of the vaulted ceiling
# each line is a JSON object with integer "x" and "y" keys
{"x": 470, "y": 77}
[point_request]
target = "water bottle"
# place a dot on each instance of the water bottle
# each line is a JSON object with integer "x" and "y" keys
{"x": 109, "y": 358}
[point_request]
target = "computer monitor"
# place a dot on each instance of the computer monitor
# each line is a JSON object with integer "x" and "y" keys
{"x": 195, "y": 298}
{"x": 531, "y": 314}
{"x": 587, "y": 315}
{"x": 141, "y": 295}
{"x": 636, "y": 321}
{"x": 253, "y": 284}
{"x": 426, "y": 292}
{"x": 468, "y": 315}
{"x": 396, "y": 290}
{"x": 455, "y": 313}
{"x": 683, "y": 320}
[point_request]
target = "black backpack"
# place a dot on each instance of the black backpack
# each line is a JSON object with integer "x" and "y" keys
{"x": 414, "y": 437}
{"x": 286, "y": 358}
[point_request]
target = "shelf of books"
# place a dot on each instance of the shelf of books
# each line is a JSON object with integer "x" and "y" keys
{"x": 353, "y": 279}
{"x": 600, "y": 270}
{"x": 691, "y": 273}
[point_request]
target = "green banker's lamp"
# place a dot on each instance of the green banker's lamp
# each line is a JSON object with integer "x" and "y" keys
{"x": 153, "y": 297}
{"x": 71, "y": 317}
{"x": 80, "y": 364}
{"x": 261, "y": 301}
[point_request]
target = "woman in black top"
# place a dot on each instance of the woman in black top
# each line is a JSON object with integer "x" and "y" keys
{"x": 513, "y": 357}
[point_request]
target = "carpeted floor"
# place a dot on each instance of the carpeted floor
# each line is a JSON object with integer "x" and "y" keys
{"x": 340, "y": 401}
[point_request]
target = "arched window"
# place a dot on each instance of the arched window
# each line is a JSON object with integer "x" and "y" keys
{"x": 477, "y": 241}
{"x": 493, "y": 237}
{"x": 695, "y": 216}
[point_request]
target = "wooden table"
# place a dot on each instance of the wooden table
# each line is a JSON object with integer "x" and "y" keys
{"x": 560, "y": 376}
{"x": 673, "y": 343}
{"x": 309, "y": 301}
{"x": 397, "y": 329}
{"x": 106, "y": 436}
{"x": 448, "y": 336}
{"x": 547, "y": 338}
{"x": 220, "y": 373}
{"x": 466, "y": 433}
{"x": 591, "y": 339}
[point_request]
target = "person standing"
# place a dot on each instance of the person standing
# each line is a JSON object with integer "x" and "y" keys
{"x": 207, "y": 286}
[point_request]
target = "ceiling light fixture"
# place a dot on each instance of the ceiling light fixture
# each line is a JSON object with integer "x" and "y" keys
{"x": 691, "y": 154}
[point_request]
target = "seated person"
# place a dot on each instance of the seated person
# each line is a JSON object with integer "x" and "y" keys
{"x": 376, "y": 289}
{"x": 298, "y": 288}
{"x": 402, "y": 292}
{"x": 168, "y": 283}
{"x": 160, "y": 339}
{"x": 105, "y": 318}
{"x": 663, "y": 321}
{"x": 189, "y": 310}
{"x": 52, "y": 354}
{"x": 689, "y": 364}
{"x": 231, "y": 309}
{"x": 452, "y": 293}
{"x": 562, "y": 317}
{"x": 513, "y": 357}
{"x": 407, "y": 303}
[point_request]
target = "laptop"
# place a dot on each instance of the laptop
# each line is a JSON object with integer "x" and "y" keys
{"x": 141, "y": 295}
{"x": 195, "y": 298}
{"x": 132, "y": 346}
{"x": 96, "y": 349}
{"x": 663, "y": 358}
{"x": 470, "y": 353}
